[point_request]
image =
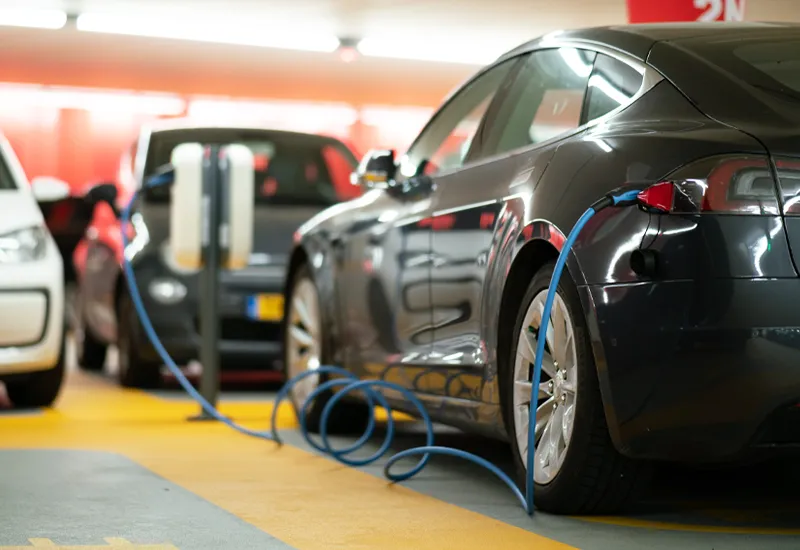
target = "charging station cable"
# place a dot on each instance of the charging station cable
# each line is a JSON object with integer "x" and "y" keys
{"x": 349, "y": 383}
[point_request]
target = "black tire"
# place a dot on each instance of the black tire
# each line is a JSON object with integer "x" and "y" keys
{"x": 594, "y": 477}
{"x": 41, "y": 388}
{"x": 134, "y": 371}
{"x": 91, "y": 351}
{"x": 348, "y": 417}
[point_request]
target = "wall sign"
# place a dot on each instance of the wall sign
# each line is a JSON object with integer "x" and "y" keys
{"x": 660, "y": 11}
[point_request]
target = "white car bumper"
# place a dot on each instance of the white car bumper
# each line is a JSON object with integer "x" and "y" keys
{"x": 31, "y": 314}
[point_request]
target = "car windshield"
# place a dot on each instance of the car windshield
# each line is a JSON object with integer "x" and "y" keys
{"x": 290, "y": 169}
{"x": 767, "y": 64}
{"x": 6, "y": 179}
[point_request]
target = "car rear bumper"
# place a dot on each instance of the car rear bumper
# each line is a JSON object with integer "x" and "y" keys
{"x": 699, "y": 371}
{"x": 245, "y": 344}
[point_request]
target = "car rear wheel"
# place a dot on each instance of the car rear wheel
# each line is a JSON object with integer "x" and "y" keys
{"x": 306, "y": 348}
{"x": 134, "y": 371}
{"x": 41, "y": 388}
{"x": 576, "y": 468}
{"x": 91, "y": 351}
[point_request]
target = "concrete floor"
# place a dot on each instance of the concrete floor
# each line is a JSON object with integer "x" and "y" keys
{"x": 109, "y": 468}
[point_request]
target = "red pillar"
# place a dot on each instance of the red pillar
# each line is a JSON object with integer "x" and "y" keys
{"x": 75, "y": 160}
{"x": 661, "y": 11}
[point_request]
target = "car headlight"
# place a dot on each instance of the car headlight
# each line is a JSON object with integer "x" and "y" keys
{"x": 167, "y": 291}
{"x": 25, "y": 245}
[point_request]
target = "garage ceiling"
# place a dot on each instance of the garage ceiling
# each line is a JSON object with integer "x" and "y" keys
{"x": 478, "y": 29}
{"x": 504, "y": 21}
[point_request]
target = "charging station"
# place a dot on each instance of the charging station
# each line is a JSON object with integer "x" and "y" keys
{"x": 211, "y": 229}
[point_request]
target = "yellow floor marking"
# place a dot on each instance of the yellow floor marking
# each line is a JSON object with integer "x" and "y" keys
{"x": 307, "y": 501}
{"x": 687, "y": 527}
{"x": 113, "y": 544}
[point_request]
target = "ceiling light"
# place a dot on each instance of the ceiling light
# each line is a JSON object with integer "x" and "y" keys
{"x": 91, "y": 100}
{"x": 466, "y": 53}
{"x": 39, "y": 19}
{"x": 216, "y": 31}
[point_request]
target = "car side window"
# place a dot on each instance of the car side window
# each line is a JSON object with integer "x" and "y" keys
{"x": 445, "y": 142}
{"x": 612, "y": 84}
{"x": 545, "y": 100}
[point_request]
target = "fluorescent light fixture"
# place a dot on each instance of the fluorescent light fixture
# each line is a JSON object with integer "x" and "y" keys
{"x": 290, "y": 115}
{"x": 38, "y": 19}
{"x": 90, "y": 100}
{"x": 443, "y": 51}
{"x": 216, "y": 31}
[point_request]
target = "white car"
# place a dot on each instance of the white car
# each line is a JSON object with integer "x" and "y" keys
{"x": 31, "y": 287}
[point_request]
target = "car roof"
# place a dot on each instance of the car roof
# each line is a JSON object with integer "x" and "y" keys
{"x": 177, "y": 124}
{"x": 638, "y": 39}
{"x": 183, "y": 124}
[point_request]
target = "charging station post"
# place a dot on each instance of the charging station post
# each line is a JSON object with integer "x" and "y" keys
{"x": 212, "y": 194}
{"x": 211, "y": 229}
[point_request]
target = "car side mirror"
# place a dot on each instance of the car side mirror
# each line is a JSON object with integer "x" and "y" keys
{"x": 376, "y": 170}
{"x": 102, "y": 192}
{"x": 414, "y": 188}
{"x": 48, "y": 189}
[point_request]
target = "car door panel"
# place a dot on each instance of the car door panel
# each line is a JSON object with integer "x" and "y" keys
{"x": 545, "y": 100}
{"x": 383, "y": 258}
{"x": 463, "y": 250}
{"x": 405, "y": 297}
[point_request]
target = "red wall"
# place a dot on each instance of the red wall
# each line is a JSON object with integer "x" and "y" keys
{"x": 82, "y": 147}
{"x": 75, "y": 145}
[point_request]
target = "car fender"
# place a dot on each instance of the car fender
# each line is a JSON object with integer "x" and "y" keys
{"x": 316, "y": 251}
{"x": 512, "y": 235}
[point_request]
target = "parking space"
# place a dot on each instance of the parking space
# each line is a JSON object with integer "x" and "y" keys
{"x": 128, "y": 464}
{"x": 563, "y": 233}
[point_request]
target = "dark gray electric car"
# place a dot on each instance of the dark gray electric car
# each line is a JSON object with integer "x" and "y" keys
{"x": 673, "y": 335}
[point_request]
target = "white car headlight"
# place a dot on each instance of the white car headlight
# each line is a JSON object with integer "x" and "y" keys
{"x": 167, "y": 291}
{"x": 25, "y": 245}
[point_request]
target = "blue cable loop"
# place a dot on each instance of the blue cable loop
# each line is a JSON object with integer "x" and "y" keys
{"x": 349, "y": 383}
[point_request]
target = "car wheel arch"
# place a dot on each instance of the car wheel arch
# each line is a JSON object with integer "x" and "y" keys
{"x": 527, "y": 261}
{"x": 297, "y": 258}
{"x": 538, "y": 242}
{"x": 542, "y": 243}
{"x": 304, "y": 255}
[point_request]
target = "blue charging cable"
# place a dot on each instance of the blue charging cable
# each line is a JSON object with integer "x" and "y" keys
{"x": 349, "y": 383}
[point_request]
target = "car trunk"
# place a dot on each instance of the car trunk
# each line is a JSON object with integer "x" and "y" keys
{"x": 780, "y": 135}
{"x": 756, "y": 89}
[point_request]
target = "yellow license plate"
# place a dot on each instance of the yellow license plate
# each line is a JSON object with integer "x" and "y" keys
{"x": 265, "y": 307}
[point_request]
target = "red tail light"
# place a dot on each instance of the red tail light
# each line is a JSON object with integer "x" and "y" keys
{"x": 728, "y": 184}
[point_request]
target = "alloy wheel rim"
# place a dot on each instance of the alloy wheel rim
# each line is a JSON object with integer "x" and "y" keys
{"x": 555, "y": 413}
{"x": 303, "y": 339}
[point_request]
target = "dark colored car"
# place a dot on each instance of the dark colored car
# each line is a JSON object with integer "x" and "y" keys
{"x": 435, "y": 278}
{"x": 297, "y": 175}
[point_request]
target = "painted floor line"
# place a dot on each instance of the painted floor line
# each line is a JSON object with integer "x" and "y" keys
{"x": 307, "y": 501}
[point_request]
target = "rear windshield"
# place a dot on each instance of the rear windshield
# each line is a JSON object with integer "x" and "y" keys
{"x": 768, "y": 64}
{"x": 290, "y": 169}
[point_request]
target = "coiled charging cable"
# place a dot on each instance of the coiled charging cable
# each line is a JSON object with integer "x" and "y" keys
{"x": 349, "y": 383}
